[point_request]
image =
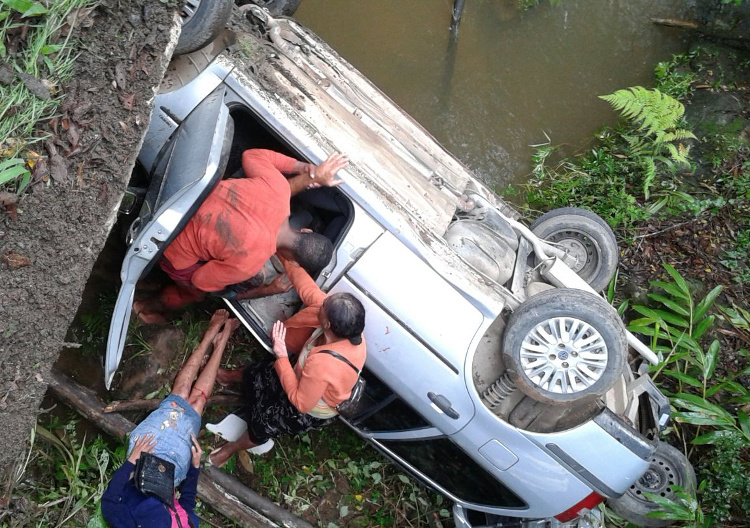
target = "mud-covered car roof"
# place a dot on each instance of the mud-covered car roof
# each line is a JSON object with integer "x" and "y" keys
{"x": 323, "y": 104}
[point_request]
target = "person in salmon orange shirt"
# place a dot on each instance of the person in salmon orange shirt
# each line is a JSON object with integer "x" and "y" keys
{"x": 239, "y": 226}
{"x": 282, "y": 397}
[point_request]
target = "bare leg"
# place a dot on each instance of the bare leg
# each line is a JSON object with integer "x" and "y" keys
{"x": 205, "y": 383}
{"x": 184, "y": 380}
{"x": 220, "y": 457}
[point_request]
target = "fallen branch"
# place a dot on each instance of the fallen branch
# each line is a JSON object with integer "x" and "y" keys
{"x": 673, "y": 226}
{"x": 224, "y": 493}
{"x": 670, "y": 22}
{"x": 150, "y": 405}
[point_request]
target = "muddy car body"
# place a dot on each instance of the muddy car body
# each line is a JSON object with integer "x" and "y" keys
{"x": 496, "y": 374}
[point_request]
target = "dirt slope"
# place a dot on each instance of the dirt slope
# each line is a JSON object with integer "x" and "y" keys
{"x": 48, "y": 249}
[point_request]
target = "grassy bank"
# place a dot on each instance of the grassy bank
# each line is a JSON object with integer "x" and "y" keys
{"x": 37, "y": 55}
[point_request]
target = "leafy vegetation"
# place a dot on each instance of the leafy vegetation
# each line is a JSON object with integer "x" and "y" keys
{"x": 654, "y": 117}
{"x": 615, "y": 178}
{"x": 43, "y": 62}
{"x": 636, "y": 175}
{"x": 64, "y": 478}
{"x": 709, "y": 410}
{"x": 334, "y": 477}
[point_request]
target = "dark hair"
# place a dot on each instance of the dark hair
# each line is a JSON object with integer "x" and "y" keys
{"x": 312, "y": 251}
{"x": 346, "y": 315}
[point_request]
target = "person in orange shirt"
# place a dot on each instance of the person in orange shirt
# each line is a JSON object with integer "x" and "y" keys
{"x": 285, "y": 399}
{"x": 239, "y": 226}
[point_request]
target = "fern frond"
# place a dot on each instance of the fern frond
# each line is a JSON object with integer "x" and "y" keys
{"x": 677, "y": 135}
{"x": 677, "y": 154}
{"x": 649, "y": 168}
{"x": 651, "y": 110}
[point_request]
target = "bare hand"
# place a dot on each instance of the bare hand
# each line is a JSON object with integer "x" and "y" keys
{"x": 278, "y": 335}
{"x": 281, "y": 284}
{"x": 143, "y": 444}
{"x": 324, "y": 174}
{"x": 197, "y": 452}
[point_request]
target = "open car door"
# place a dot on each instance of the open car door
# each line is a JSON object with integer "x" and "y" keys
{"x": 190, "y": 165}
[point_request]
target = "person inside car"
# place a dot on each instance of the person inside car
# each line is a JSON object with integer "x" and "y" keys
{"x": 239, "y": 226}
{"x": 282, "y": 398}
{"x": 170, "y": 433}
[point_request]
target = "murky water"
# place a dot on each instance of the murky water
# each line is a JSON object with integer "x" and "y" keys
{"x": 513, "y": 79}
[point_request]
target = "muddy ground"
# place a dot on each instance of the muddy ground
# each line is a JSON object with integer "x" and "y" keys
{"x": 49, "y": 243}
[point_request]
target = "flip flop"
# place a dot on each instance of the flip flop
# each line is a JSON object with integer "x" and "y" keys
{"x": 231, "y": 428}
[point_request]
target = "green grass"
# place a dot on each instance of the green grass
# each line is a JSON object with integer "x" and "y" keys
{"x": 47, "y": 55}
{"x": 62, "y": 478}
{"x": 333, "y": 476}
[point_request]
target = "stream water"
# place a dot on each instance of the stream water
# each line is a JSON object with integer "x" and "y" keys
{"x": 512, "y": 78}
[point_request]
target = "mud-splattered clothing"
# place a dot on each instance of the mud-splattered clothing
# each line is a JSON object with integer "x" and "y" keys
{"x": 171, "y": 423}
{"x": 234, "y": 230}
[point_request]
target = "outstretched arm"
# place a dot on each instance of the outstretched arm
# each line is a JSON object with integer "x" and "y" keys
{"x": 308, "y": 291}
{"x": 310, "y": 176}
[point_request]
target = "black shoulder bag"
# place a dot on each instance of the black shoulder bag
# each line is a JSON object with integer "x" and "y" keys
{"x": 154, "y": 476}
{"x": 348, "y": 408}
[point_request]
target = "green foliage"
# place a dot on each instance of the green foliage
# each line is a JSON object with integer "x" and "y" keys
{"x": 27, "y": 8}
{"x": 46, "y": 55}
{"x": 674, "y": 77}
{"x": 685, "y": 509}
{"x": 726, "y": 488}
{"x": 705, "y": 406}
{"x": 676, "y": 326}
{"x": 64, "y": 478}
{"x": 653, "y": 132}
{"x": 652, "y": 111}
{"x": 300, "y": 471}
{"x": 736, "y": 257}
{"x": 598, "y": 180}
{"x": 12, "y": 170}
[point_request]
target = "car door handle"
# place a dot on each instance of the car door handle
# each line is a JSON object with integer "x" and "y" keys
{"x": 443, "y": 404}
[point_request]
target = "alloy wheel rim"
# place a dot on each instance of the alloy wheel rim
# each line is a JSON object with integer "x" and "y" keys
{"x": 564, "y": 355}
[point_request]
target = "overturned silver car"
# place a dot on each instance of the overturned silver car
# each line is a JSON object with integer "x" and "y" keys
{"x": 496, "y": 374}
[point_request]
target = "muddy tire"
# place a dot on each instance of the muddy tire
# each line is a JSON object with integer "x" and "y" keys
{"x": 587, "y": 237}
{"x": 564, "y": 346}
{"x": 275, "y": 7}
{"x": 669, "y": 467}
{"x": 202, "y": 20}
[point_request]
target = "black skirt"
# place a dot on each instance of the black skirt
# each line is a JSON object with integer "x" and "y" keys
{"x": 267, "y": 410}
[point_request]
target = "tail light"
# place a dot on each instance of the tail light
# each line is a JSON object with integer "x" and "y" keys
{"x": 587, "y": 503}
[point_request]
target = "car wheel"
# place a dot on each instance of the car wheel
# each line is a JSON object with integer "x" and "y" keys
{"x": 201, "y": 20}
{"x": 586, "y": 237}
{"x": 564, "y": 345}
{"x": 668, "y": 468}
{"x": 275, "y": 7}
